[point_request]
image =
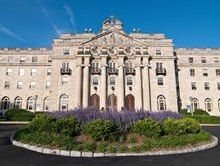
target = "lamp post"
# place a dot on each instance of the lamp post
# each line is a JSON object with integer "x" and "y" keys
{"x": 191, "y": 109}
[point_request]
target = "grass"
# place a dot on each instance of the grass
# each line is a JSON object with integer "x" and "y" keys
{"x": 204, "y": 119}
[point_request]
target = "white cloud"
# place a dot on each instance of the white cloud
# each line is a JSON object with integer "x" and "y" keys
{"x": 69, "y": 12}
{"x": 46, "y": 13}
{"x": 10, "y": 33}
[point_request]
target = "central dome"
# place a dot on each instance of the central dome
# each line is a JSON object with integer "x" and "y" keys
{"x": 112, "y": 23}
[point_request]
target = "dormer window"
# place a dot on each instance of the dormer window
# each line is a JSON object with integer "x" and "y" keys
{"x": 66, "y": 51}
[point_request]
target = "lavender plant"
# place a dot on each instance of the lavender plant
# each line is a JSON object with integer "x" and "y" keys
{"x": 123, "y": 119}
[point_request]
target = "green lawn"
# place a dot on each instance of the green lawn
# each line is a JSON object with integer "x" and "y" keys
{"x": 204, "y": 119}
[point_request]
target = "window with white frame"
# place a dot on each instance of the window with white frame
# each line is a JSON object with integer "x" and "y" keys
{"x": 208, "y": 105}
{"x": 64, "y": 102}
{"x": 203, "y": 59}
{"x": 34, "y": 59}
{"x": 216, "y": 59}
{"x": 7, "y": 85}
{"x": 66, "y": 51}
{"x": 195, "y": 104}
{"x": 217, "y": 71}
{"x": 31, "y": 104}
{"x": 192, "y": 72}
{"x": 5, "y": 103}
{"x": 33, "y": 72}
{"x": 158, "y": 52}
{"x": 206, "y": 84}
{"x": 8, "y": 71}
{"x": 112, "y": 81}
{"x": 32, "y": 85}
{"x": 22, "y": 59}
{"x": 18, "y": 102}
{"x": 19, "y": 85}
{"x": 48, "y": 84}
{"x": 129, "y": 80}
{"x": 193, "y": 85}
{"x": 64, "y": 81}
{"x": 95, "y": 80}
{"x": 191, "y": 60}
{"x": 160, "y": 81}
{"x": 46, "y": 104}
{"x": 49, "y": 71}
{"x": 161, "y": 103}
{"x": 205, "y": 72}
{"x": 20, "y": 71}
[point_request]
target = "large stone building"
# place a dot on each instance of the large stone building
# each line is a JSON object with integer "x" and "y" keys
{"x": 110, "y": 69}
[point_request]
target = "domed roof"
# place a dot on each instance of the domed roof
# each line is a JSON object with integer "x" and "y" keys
{"x": 112, "y": 22}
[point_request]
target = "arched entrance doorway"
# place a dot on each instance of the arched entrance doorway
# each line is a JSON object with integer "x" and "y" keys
{"x": 112, "y": 102}
{"x": 95, "y": 101}
{"x": 130, "y": 102}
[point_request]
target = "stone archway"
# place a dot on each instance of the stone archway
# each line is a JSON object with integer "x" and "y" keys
{"x": 130, "y": 102}
{"x": 112, "y": 102}
{"x": 95, "y": 101}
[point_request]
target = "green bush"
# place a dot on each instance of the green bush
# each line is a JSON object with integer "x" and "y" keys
{"x": 184, "y": 112}
{"x": 102, "y": 147}
{"x": 100, "y": 129}
{"x": 17, "y": 114}
{"x": 43, "y": 123}
{"x": 67, "y": 126}
{"x": 146, "y": 145}
{"x": 123, "y": 148}
{"x": 133, "y": 139}
{"x": 200, "y": 112}
{"x": 206, "y": 119}
{"x": 89, "y": 147}
{"x": 147, "y": 127}
{"x": 180, "y": 126}
{"x": 112, "y": 148}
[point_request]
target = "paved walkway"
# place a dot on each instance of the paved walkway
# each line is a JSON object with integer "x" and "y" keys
{"x": 14, "y": 156}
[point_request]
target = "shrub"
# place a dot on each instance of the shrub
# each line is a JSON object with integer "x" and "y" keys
{"x": 200, "y": 112}
{"x": 89, "y": 146}
{"x": 102, "y": 147}
{"x": 146, "y": 145}
{"x": 134, "y": 149}
{"x": 43, "y": 123}
{"x": 100, "y": 129}
{"x": 17, "y": 114}
{"x": 182, "y": 126}
{"x": 147, "y": 127}
{"x": 112, "y": 148}
{"x": 184, "y": 112}
{"x": 123, "y": 149}
{"x": 67, "y": 126}
{"x": 133, "y": 139}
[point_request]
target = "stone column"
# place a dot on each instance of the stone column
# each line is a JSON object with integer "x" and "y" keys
{"x": 146, "y": 86}
{"x": 103, "y": 84}
{"x": 138, "y": 97}
{"x": 79, "y": 81}
{"x": 86, "y": 83}
{"x": 121, "y": 85}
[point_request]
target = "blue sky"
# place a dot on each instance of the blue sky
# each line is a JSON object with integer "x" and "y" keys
{"x": 34, "y": 23}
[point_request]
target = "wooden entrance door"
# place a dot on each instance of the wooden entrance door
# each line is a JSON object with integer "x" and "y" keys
{"x": 130, "y": 102}
{"x": 95, "y": 101}
{"x": 112, "y": 102}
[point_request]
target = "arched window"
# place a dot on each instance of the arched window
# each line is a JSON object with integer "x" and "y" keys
{"x": 18, "y": 102}
{"x": 5, "y": 103}
{"x": 161, "y": 103}
{"x": 208, "y": 105}
{"x": 195, "y": 104}
{"x": 94, "y": 101}
{"x": 46, "y": 104}
{"x": 219, "y": 104}
{"x": 31, "y": 104}
{"x": 64, "y": 102}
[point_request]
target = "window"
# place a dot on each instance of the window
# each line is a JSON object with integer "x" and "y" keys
{"x": 129, "y": 80}
{"x": 208, "y": 105}
{"x": 18, "y": 102}
{"x": 112, "y": 81}
{"x": 31, "y": 104}
{"x": 128, "y": 65}
{"x": 192, "y": 72}
{"x": 7, "y": 84}
{"x": 218, "y": 104}
{"x": 32, "y": 85}
{"x": 205, "y": 72}
{"x": 206, "y": 85}
{"x": 216, "y": 59}
{"x": 95, "y": 65}
{"x": 111, "y": 65}
{"x": 66, "y": 51}
{"x": 33, "y": 72}
{"x": 5, "y": 103}
{"x": 19, "y": 85}
{"x": 217, "y": 71}
{"x": 20, "y": 71}
{"x": 160, "y": 81}
{"x": 65, "y": 65}
{"x": 22, "y": 59}
{"x": 34, "y": 59}
{"x": 158, "y": 52}
{"x": 161, "y": 103}
{"x": 63, "y": 102}
{"x": 10, "y": 59}
{"x": 159, "y": 65}
{"x": 218, "y": 85}
{"x": 203, "y": 60}
{"x": 48, "y": 83}
{"x": 95, "y": 81}
{"x": 193, "y": 85}
{"x": 49, "y": 59}
{"x": 191, "y": 60}
{"x": 46, "y": 104}
{"x": 49, "y": 71}
{"x": 64, "y": 81}
{"x": 195, "y": 104}
{"x": 8, "y": 72}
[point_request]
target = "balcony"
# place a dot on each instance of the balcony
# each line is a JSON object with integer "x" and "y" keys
{"x": 160, "y": 71}
{"x": 96, "y": 70}
{"x": 65, "y": 71}
{"x": 80, "y": 52}
{"x": 129, "y": 71}
{"x": 112, "y": 71}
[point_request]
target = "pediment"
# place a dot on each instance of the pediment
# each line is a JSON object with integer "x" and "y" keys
{"x": 113, "y": 39}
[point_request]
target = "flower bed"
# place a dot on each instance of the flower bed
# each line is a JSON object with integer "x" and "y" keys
{"x": 112, "y": 132}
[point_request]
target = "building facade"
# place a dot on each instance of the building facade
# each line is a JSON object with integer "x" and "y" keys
{"x": 110, "y": 69}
